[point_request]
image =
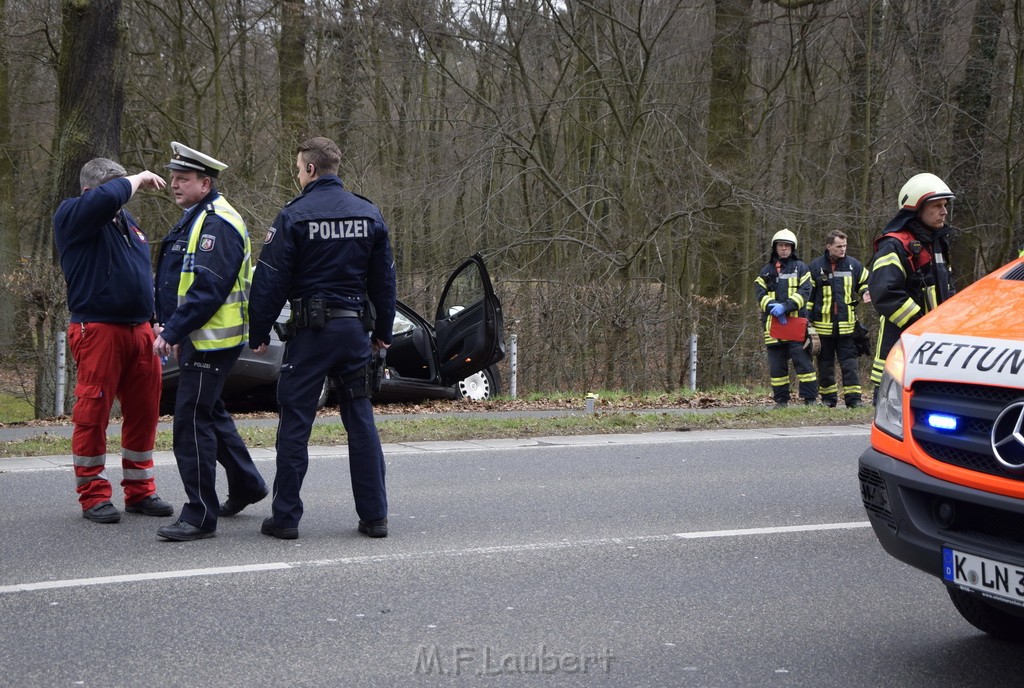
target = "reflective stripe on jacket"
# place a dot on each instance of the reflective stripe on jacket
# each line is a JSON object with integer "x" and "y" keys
{"x": 229, "y": 326}
{"x": 835, "y": 293}
{"x": 788, "y": 284}
{"x": 900, "y": 291}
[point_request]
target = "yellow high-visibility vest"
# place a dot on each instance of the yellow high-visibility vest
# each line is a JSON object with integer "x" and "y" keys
{"x": 229, "y": 326}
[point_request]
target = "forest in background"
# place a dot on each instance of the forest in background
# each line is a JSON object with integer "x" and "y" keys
{"x": 620, "y": 164}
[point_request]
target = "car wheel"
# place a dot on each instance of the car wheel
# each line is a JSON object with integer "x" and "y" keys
{"x": 325, "y": 394}
{"x": 480, "y": 386}
{"x": 986, "y": 617}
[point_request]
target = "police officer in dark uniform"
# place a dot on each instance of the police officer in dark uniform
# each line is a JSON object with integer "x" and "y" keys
{"x": 328, "y": 251}
{"x": 202, "y": 280}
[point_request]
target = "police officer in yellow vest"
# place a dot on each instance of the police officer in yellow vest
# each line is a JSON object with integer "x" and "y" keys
{"x": 202, "y": 289}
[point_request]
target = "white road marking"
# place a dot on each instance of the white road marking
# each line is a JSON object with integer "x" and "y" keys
{"x": 135, "y": 577}
{"x": 773, "y": 530}
{"x": 383, "y": 558}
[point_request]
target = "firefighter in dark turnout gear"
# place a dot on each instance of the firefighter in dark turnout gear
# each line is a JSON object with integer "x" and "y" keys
{"x": 910, "y": 273}
{"x": 782, "y": 289}
{"x": 838, "y": 282}
{"x": 203, "y": 275}
{"x": 328, "y": 251}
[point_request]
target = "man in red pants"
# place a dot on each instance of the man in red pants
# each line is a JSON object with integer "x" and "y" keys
{"x": 106, "y": 264}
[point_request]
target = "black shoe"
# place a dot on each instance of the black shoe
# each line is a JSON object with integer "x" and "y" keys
{"x": 269, "y": 528}
{"x": 830, "y": 403}
{"x": 182, "y": 532}
{"x": 374, "y": 529}
{"x": 232, "y": 506}
{"x": 104, "y": 512}
{"x": 810, "y": 402}
{"x": 854, "y": 403}
{"x": 150, "y": 506}
{"x": 781, "y": 405}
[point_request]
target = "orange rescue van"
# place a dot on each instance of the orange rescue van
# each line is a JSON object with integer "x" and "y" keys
{"x": 943, "y": 480}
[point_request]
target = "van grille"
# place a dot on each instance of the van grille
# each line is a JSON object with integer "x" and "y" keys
{"x": 1016, "y": 273}
{"x": 977, "y": 407}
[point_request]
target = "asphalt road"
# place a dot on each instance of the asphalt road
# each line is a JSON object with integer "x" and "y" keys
{"x": 732, "y": 558}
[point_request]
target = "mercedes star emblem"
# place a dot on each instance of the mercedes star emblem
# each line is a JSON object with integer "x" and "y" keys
{"x": 1007, "y": 439}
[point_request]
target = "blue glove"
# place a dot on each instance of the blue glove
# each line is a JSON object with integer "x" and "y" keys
{"x": 779, "y": 311}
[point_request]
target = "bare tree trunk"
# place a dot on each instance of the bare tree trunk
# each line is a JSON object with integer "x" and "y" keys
{"x": 294, "y": 82}
{"x": 10, "y": 237}
{"x": 1012, "y": 176}
{"x": 90, "y": 98}
{"x": 866, "y": 91}
{"x": 721, "y": 274}
{"x": 728, "y": 150}
{"x": 974, "y": 99}
{"x": 924, "y": 51}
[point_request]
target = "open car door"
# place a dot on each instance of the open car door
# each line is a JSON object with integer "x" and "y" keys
{"x": 470, "y": 333}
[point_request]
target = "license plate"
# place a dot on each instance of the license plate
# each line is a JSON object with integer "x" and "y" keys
{"x": 992, "y": 578}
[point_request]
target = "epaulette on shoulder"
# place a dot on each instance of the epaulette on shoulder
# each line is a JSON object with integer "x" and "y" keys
{"x": 363, "y": 197}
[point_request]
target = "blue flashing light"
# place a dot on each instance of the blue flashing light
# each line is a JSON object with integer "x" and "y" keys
{"x": 942, "y": 421}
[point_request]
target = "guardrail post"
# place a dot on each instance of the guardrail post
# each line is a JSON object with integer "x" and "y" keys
{"x": 513, "y": 364}
{"x": 62, "y": 358}
{"x": 693, "y": 363}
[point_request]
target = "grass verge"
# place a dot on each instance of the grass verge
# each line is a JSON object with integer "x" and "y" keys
{"x": 15, "y": 409}
{"x": 454, "y": 428}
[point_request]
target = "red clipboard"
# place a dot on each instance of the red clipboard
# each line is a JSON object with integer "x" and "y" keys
{"x": 795, "y": 329}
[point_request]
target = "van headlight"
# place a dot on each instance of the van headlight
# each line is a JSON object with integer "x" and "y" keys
{"x": 889, "y": 406}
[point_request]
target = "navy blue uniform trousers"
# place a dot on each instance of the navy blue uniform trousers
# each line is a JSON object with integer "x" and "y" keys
{"x": 205, "y": 435}
{"x": 844, "y": 348}
{"x": 779, "y": 356}
{"x": 340, "y": 349}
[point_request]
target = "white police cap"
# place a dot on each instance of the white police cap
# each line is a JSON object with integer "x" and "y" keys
{"x": 184, "y": 159}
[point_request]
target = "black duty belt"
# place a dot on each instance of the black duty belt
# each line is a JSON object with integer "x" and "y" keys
{"x": 342, "y": 313}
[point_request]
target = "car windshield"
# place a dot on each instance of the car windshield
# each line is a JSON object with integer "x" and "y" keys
{"x": 402, "y": 324}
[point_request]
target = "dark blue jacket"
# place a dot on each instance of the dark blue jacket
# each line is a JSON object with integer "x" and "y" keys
{"x": 215, "y": 272}
{"x": 329, "y": 242}
{"x": 106, "y": 267}
{"x": 837, "y": 289}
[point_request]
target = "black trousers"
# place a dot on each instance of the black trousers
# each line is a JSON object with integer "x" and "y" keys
{"x": 779, "y": 356}
{"x": 888, "y": 335}
{"x": 205, "y": 435}
{"x": 340, "y": 349}
{"x": 843, "y": 348}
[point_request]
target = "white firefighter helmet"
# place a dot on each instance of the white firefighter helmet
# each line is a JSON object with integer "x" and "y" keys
{"x": 922, "y": 188}
{"x": 784, "y": 235}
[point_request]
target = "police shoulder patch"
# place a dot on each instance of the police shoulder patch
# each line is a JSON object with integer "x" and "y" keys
{"x": 206, "y": 242}
{"x": 270, "y": 235}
